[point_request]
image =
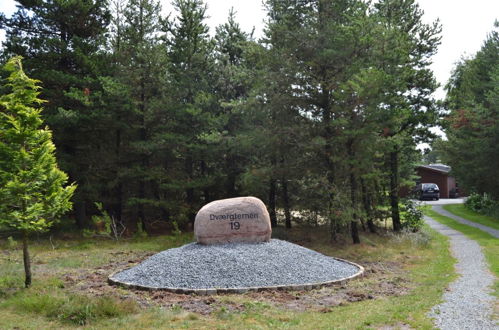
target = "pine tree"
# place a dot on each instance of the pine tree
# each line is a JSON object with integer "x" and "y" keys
{"x": 317, "y": 48}
{"x": 142, "y": 66}
{"x": 407, "y": 110}
{"x": 472, "y": 149}
{"x": 193, "y": 106}
{"x": 60, "y": 42}
{"x": 33, "y": 191}
{"x": 234, "y": 72}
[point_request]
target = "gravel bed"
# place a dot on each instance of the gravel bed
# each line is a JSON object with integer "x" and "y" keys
{"x": 468, "y": 301}
{"x": 236, "y": 265}
{"x": 442, "y": 211}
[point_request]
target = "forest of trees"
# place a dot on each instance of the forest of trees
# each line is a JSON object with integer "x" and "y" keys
{"x": 153, "y": 116}
{"x": 472, "y": 148}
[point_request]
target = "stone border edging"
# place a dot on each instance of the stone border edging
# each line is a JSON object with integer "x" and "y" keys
{"x": 213, "y": 291}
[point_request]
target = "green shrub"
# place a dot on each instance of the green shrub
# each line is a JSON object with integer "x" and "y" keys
{"x": 104, "y": 225}
{"x": 483, "y": 204}
{"x": 411, "y": 216}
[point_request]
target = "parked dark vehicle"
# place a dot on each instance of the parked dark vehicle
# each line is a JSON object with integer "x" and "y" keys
{"x": 427, "y": 191}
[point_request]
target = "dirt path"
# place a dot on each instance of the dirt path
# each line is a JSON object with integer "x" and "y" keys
{"x": 468, "y": 301}
{"x": 442, "y": 211}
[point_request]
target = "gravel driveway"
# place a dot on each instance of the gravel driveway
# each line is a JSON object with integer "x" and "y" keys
{"x": 468, "y": 301}
{"x": 442, "y": 211}
{"x": 443, "y": 201}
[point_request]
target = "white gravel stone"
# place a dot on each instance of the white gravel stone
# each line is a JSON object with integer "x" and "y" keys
{"x": 236, "y": 265}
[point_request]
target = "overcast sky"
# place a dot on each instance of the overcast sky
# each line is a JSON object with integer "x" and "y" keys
{"x": 465, "y": 24}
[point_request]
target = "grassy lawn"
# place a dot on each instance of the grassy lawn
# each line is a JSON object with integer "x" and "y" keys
{"x": 489, "y": 244}
{"x": 463, "y": 212}
{"x": 405, "y": 276}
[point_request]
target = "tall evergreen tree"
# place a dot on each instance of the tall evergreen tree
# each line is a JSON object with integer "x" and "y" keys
{"x": 472, "y": 128}
{"x": 234, "y": 81}
{"x": 142, "y": 69}
{"x": 403, "y": 53}
{"x": 193, "y": 105}
{"x": 318, "y": 45}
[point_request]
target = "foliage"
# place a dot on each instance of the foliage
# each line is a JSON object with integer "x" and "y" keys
{"x": 61, "y": 43}
{"x": 328, "y": 70}
{"x": 411, "y": 215}
{"x": 155, "y": 117}
{"x": 105, "y": 225}
{"x": 472, "y": 126}
{"x": 176, "y": 230}
{"x": 482, "y": 203}
{"x": 32, "y": 192}
{"x": 32, "y": 188}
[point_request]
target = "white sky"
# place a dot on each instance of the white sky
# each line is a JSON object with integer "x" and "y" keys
{"x": 465, "y": 24}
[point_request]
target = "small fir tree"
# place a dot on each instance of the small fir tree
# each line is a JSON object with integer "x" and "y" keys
{"x": 33, "y": 191}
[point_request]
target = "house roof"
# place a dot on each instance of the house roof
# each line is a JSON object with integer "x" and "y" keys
{"x": 437, "y": 167}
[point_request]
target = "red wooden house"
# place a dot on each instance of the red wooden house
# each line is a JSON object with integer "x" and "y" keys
{"x": 439, "y": 174}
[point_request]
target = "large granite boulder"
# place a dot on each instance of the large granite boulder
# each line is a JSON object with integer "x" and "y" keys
{"x": 241, "y": 219}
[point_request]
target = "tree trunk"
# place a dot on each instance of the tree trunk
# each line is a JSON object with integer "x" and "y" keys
{"x": 27, "y": 261}
{"x": 231, "y": 177}
{"x": 287, "y": 208}
{"x": 353, "y": 225}
{"x": 145, "y": 161}
{"x": 189, "y": 166}
{"x": 80, "y": 212}
{"x": 206, "y": 190}
{"x": 353, "y": 193}
{"x": 394, "y": 190}
{"x": 118, "y": 208}
{"x": 231, "y": 162}
{"x": 330, "y": 170}
{"x": 370, "y": 225}
{"x": 141, "y": 213}
{"x": 366, "y": 198}
{"x": 272, "y": 197}
{"x": 355, "y": 232}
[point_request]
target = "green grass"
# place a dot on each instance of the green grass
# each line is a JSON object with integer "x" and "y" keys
{"x": 463, "y": 212}
{"x": 489, "y": 244}
{"x": 71, "y": 309}
{"x": 52, "y": 302}
{"x": 430, "y": 271}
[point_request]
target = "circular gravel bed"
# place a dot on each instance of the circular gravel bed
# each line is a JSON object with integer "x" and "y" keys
{"x": 236, "y": 267}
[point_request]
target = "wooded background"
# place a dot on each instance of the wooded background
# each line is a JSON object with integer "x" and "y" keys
{"x": 154, "y": 117}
